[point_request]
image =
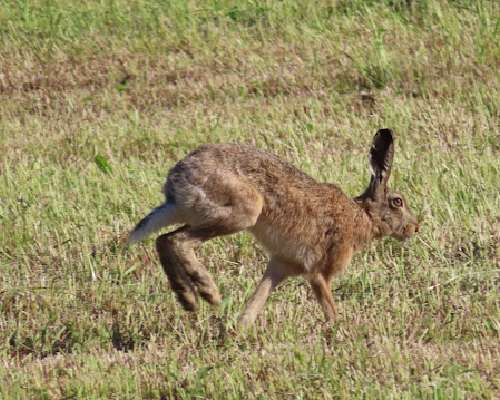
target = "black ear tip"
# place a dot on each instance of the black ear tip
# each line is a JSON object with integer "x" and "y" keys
{"x": 385, "y": 134}
{"x": 383, "y": 137}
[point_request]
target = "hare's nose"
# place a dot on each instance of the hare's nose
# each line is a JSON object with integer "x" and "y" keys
{"x": 417, "y": 228}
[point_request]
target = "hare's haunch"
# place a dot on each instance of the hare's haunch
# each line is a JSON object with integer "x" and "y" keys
{"x": 308, "y": 228}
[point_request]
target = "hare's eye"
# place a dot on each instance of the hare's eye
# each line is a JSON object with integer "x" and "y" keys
{"x": 397, "y": 202}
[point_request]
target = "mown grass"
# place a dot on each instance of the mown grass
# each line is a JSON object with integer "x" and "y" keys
{"x": 98, "y": 100}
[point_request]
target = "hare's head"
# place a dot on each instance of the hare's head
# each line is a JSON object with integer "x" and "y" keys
{"x": 388, "y": 210}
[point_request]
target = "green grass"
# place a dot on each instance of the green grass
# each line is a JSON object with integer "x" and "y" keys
{"x": 99, "y": 99}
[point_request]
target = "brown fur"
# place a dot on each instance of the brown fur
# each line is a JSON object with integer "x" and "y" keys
{"x": 308, "y": 228}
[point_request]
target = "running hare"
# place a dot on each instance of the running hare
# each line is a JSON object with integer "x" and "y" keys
{"x": 308, "y": 228}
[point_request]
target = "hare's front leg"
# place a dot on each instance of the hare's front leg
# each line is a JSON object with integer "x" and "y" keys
{"x": 322, "y": 291}
{"x": 321, "y": 280}
{"x": 276, "y": 272}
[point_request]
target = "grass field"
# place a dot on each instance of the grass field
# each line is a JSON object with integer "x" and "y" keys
{"x": 98, "y": 99}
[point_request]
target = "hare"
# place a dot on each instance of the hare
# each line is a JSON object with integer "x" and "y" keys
{"x": 308, "y": 228}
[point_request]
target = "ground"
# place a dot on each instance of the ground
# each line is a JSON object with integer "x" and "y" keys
{"x": 99, "y": 99}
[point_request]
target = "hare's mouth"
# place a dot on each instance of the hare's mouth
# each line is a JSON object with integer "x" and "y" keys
{"x": 409, "y": 230}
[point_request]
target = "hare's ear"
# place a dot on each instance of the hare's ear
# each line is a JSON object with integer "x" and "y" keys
{"x": 381, "y": 155}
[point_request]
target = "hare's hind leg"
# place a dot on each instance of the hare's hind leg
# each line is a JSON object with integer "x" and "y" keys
{"x": 186, "y": 274}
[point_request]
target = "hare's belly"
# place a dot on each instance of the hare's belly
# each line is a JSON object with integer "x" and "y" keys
{"x": 280, "y": 244}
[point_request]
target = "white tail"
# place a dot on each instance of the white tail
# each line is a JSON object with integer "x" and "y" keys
{"x": 158, "y": 218}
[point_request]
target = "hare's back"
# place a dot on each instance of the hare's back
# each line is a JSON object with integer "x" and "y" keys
{"x": 258, "y": 167}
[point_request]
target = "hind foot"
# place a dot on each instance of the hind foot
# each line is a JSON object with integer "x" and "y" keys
{"x": 213, "y": 296}
{"x": 179, "y": 280}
